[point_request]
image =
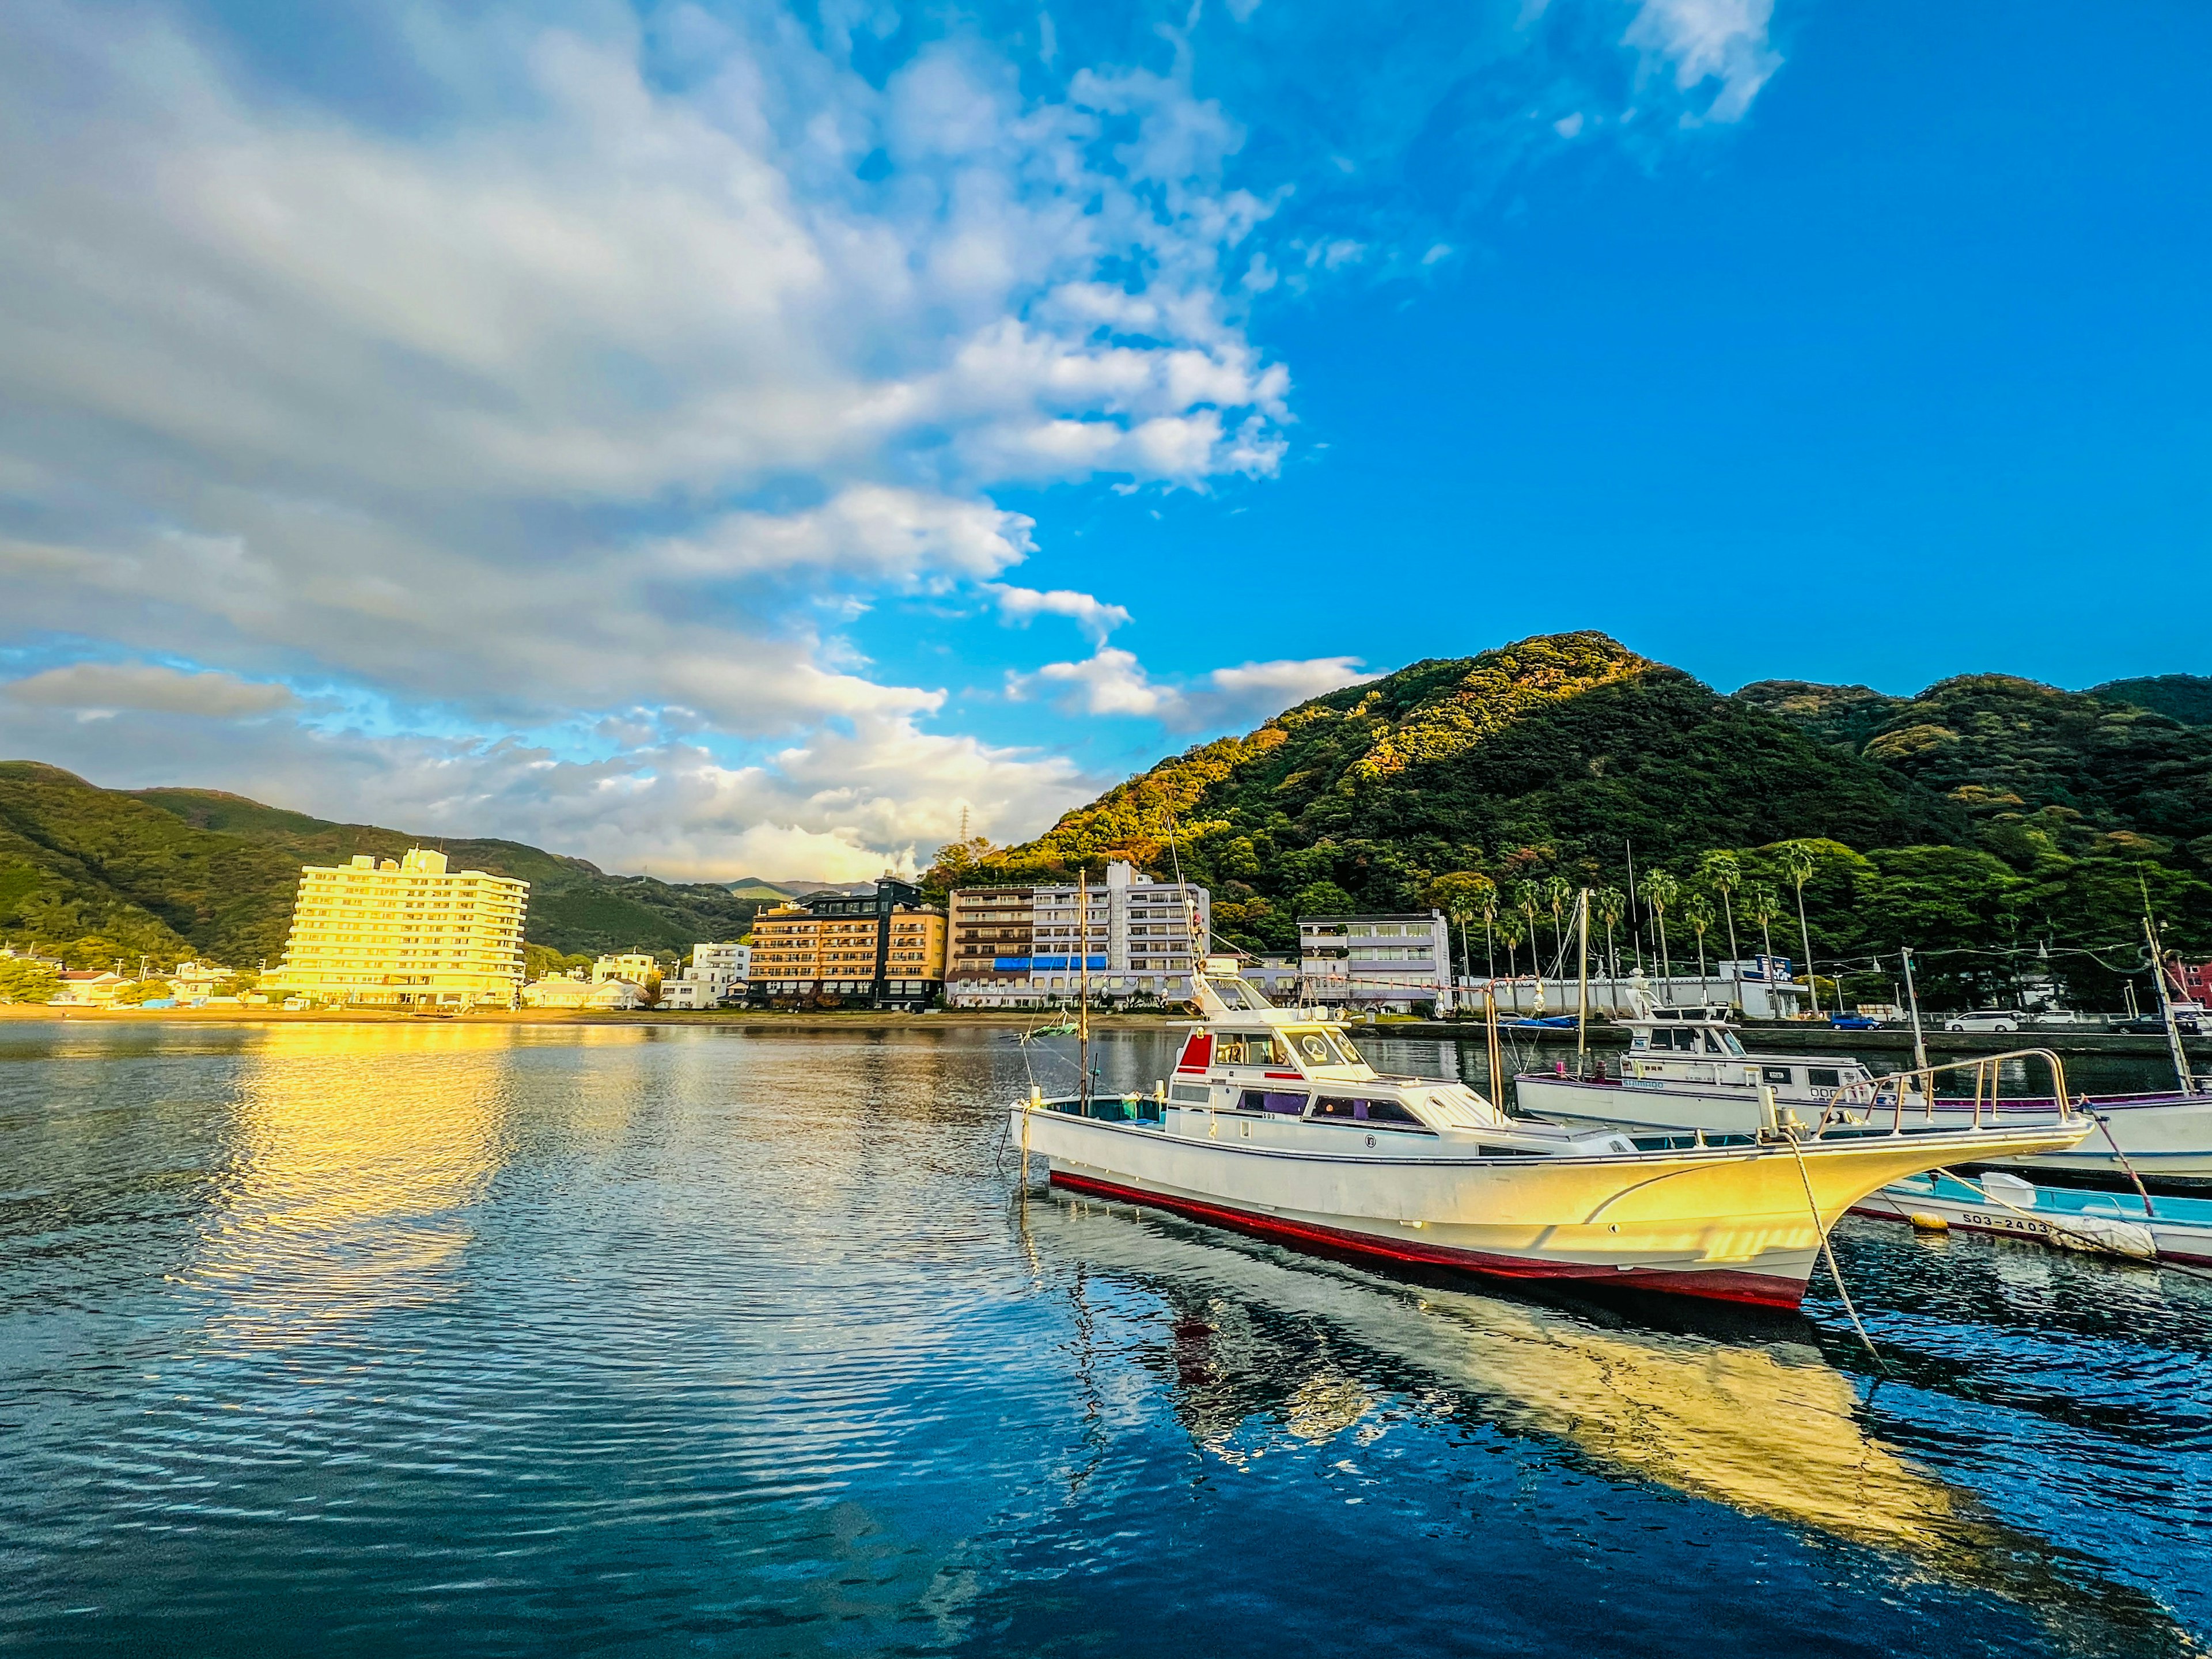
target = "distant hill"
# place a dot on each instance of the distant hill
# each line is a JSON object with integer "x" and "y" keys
{"x": 1984, "y": 821}
{"x": 166, "y": 871}
{"x": 2184, "y": 697}
{"x": 1996, "y": 743}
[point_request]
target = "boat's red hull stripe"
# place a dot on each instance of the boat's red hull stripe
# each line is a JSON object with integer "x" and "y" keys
{"x": 1720, "y": 1284}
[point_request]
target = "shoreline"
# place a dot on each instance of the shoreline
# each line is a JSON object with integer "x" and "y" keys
{"x": 1791, "y": 1038}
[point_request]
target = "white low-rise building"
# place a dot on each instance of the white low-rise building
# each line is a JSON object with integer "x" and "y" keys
{"x": 1760, "y": 988}
{"x": 638, "y": 967}
{"x": 1375, "y": 962}
{"x": 573, "y": 991}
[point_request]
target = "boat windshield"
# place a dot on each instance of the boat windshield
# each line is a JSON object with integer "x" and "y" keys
{"x": 1729, "y": 1044}
{"x": 1319, "y": 1046}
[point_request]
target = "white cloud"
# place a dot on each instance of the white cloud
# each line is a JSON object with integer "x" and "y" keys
{"x": 1701, "y": 41}
{"x": 843, "y": 807}
{"x": 508, "y": 408}
{"x": 1112, "y": 681}
{"x": 108, "y": 688}
{"x": 1020, "y": 605}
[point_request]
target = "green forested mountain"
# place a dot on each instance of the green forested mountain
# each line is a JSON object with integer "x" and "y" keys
{"x": 1985, "y": 821}
{"x": 174, "y": 873}
{"x": 2184, "y": 697}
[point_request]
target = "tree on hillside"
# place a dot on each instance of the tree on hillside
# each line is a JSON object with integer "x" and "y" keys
{"x": 28, "y": 982}
{"x": 1797, "y": 858}
{"x": 1324, "y": 898}
{"x": 1723, "y": 872}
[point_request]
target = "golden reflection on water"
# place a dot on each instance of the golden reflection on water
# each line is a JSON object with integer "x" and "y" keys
{"x": 356, "y": 1154}
{"x": 1768, "y": 1428}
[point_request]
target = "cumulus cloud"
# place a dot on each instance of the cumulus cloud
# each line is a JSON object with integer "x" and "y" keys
{"x": 1702, "y": 41}
{"x": 96, "y": 688}
{"x": 1112, "y": 681}
{"x": 510, "y": 405}
{"x": 883, "y": 792}
{"x": 560, "y": 372}
{"x": 1096, "y": 619}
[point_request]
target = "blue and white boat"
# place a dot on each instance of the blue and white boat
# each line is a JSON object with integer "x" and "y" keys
{"x": 2158, "y": 1228}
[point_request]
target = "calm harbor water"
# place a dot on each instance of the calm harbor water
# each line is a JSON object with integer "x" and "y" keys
{"x": 491, "y": 1339}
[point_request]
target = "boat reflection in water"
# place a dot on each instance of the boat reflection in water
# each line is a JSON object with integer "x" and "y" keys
{"x": 1744, "y": 1412}
{"x": 356, "y": 1152}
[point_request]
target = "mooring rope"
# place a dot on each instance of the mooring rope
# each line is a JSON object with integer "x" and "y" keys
{"x": 1828, "y": 1251}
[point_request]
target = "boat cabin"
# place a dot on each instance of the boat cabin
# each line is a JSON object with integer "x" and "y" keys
{"x": 1696, "y": 1046}
{"x": 1292, "y": 1077}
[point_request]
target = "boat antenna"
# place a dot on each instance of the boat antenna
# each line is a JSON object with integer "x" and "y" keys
{"x": 1582, "y": 1002}
{"x": 1083, "y": 982}
{"x": 2165, "y": 1002}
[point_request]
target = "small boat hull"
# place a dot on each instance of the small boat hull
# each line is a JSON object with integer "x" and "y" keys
{"x": 1730, "y": 1224}
{"x": 2167, "y": 1136}
{"x": 2174, "y": 1230}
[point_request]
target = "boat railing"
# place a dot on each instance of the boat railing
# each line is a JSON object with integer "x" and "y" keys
{"x": 1896, "y": 1088}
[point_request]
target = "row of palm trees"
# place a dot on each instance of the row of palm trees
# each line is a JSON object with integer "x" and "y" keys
{"x": 1514, "y": 914}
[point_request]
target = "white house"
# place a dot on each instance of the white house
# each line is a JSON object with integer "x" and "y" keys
{"x": 563, "y": 991}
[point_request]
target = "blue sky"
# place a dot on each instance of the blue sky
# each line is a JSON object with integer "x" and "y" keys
{"x": 729, "y": 438}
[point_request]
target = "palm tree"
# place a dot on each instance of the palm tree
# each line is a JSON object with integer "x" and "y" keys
{"x": 1724, "y": 873}
{"x": 1609, "y": 905}
{"x": 1698, "y": 911}
{"x": 1462, "y": 895}
{"x": 1797, "y": 859}
{"x": 1528, "y": 900}
{"x": 1761, "y": 905}
{"x": 1660, "y": 891}
{"x": 1557, "y": 889}
{"x": 1511, "y": 930}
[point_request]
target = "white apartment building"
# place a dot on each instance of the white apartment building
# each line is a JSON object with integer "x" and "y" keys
{"x": 635, "y": 966}
{"x": 717, "y": 975}
{"x": 1386, "y": 961}
{"x": 1023, "y": 947}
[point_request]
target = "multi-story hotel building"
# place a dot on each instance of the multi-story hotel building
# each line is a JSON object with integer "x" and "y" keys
{"x": 881, "y": 949}
{"x": 1018, "y": 947}
{"x": 406, "y": 932}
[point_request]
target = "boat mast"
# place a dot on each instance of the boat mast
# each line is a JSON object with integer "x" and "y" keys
{"x": 1582, "y": 1002}
{"x": 1083, "y": 984}
{"x": 2166, "y": 1002}
{"x": 1496, "y": 1060}
{"x": 1912, "y": 1000}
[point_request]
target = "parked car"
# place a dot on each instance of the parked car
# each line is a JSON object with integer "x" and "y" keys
{"x": 2155, "y": 1025}
{"x": 1987, "y": 1019}
{"x": 1855, "y": 1022}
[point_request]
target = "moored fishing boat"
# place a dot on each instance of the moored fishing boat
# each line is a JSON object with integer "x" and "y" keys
{"x": 1686, "y": 1068}
{"x": 1275, "y": 1124}
{"x": 2161, "y": 1228}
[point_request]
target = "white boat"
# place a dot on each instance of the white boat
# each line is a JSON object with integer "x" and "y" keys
{"x": 2157, "y": 1229}
{"x": 1275, "y": 1124}
{"x": 1686, "y": 1068}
